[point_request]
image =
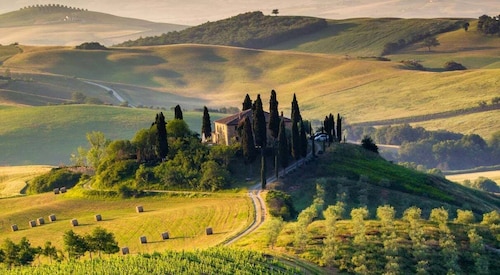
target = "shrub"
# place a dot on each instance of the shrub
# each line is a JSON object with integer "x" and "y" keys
{"x": 412, "y": 65}
{"x": 486, "y": 184}
{"x": 56, "y": 178}
{"x": 280, "y": 204}
{"x": 91, "y": 46}
{"x": 454, "y": 66}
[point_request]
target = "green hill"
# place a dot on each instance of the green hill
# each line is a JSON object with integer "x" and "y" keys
{"x": 56, "y": 24}
{"x": 48, "y": 135}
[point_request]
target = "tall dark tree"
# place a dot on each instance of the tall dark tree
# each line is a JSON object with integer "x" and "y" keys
{"x": 274, "y": 117}
{"x": 313, "y": 145}
{"x": 161, "y": 135}
{"x": 368, "y": 144}
{"x": 178, "y": 112}
{"x": 283, "y": 144}
{"x": 331, "y": 122}
{"x": 259, "y": 124}
{"x": 247, "y": 141}
{"x": 247, "y": 103}
{"x": 206, "y": 125}
{"x": 339, "y": 128}
{"x": 296, "y": 118}
{"x": 295, "y": 110}
{"x": 303, "y": 140}
{"x": 326, "y": 125}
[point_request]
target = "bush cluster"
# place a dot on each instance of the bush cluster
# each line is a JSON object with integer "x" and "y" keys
{"x": 56, "y": 178}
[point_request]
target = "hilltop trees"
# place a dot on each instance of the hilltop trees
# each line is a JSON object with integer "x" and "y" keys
{"x": 489, "y": 25}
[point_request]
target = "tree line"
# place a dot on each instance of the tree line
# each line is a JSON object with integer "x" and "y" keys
{"x": 251, "y": 30}
{"x": 489, "y": 25}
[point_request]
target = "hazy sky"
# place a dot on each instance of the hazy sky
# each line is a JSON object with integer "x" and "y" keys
{"x": 193, "y": 12}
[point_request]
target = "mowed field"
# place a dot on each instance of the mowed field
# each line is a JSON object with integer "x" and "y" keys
{"x": 13, "y": 178}
{"x": 184, "y": 216}
{"x": 460, "y": 178}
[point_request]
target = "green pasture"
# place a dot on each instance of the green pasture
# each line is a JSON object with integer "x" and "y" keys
{"x": 184, "y": 215}
{"x": 49, "y": 134}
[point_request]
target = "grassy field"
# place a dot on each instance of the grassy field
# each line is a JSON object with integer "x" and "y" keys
{"x": 185, "y": 217}
{"x": 493, "y": 175}
{"x": 48, "y": 135}
{"x": 13, "y": 178}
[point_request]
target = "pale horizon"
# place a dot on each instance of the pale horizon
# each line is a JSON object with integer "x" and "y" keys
{"x": 194, "y": 12}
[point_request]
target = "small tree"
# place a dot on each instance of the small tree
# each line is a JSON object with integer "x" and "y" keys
{"x": 369, "y": 145}
{"x": 74, "y": 244}
{"x": 430, "y": 42}
{"x": 178, "y": 112}
{"x": 101, "y": 241}
{"x": 275, "y": 12}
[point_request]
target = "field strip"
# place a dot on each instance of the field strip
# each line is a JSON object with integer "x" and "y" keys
{"x": 493, "y": 175}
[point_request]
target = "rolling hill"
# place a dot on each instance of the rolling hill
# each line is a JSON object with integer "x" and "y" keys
{"x": 317, "y": 68}
{"x": 62, "y": 25}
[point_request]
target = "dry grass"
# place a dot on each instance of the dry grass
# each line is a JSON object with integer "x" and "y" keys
{"x": 13, "y": 178}
{"x": 493, "y": 175}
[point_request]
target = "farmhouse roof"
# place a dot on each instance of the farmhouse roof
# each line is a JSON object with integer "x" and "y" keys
{"x": 236, "y": 118}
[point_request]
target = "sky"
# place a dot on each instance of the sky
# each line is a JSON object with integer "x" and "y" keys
{"x": 194, "y": 12}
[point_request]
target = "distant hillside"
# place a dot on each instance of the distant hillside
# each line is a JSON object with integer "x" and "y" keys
{"x": 62, "y": 25}
{"x": 251, "y": 30}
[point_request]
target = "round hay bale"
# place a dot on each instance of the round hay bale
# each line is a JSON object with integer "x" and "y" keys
{"x": 165, "y": 236}
{"x": 139, "y": 209}
{"x": 209, "y": 231}
{"x": 32, "y": 223}
{"x": 74, "y": 222}
{"x": 143, "y": 240}
{"x": 56, "y": 191}
{"x": 63, "y": 189}
{"x": 98, "y": 218}
{"x": 14, "y": 227}
{"x": 52, "y": 218}
{"x": 40, "y": 221}
{"x": 125, "y": 251}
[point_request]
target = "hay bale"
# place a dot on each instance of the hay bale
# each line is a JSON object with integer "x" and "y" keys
{"x": 52, "y": 218}
{"x": 143, "y": 240}
{"x": 209, "y": 231}
{"x": 165, "y": 236}
{"x": 32, "y": 223}
{"x": 125, "y": 251}
{"x": 74, "y": 222}
{"x": 40, "y": 221}
{"x": 139, "y": 209}
{"x": 63, "y": 189}
{"x": 56, "y": 191}
{"x": 98, "y": 218}
{"x": 14, "y": 227}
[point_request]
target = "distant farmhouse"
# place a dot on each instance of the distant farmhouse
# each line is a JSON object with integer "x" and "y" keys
{"x": 226, "y": 128}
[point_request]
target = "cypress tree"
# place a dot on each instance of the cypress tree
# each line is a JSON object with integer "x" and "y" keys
{"x": 247, "y": 141}
{"x": 303, "y": 140}
{"x": 162, "y": 136}
{"x": 296, "y": 118}
{"x": 259, "y": 124}
{"x": 178, "y": 112}
{"x": 313, "y": 149}
{"x": 274, "y": 119}
{"x": 247, "y": 103}
{"x": 331, "y": 122}
{"x": 339, "y": 128}
{"x": 206, "y": 126}
{"x": 326, "y": 125}
{"x": 283, "y": 145}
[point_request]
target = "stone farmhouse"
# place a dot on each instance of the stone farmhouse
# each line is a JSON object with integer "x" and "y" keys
{"x": 225, "y": 130}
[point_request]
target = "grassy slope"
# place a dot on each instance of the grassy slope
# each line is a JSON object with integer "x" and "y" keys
{"x": 48, "y": 135}
{"x": 32, "y": 27}
{"x": 184, "y": 217}
{"x": 13, "y": 178}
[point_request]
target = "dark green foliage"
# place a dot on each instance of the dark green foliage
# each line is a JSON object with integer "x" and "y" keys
{"x": 214, "y": 176}
{"x": 206, "y": 125}
{"x": 247, "y": 103}
{"x": 339, "y": 128}
{"x": 274, "y": 119}
{"x": 259, "y": 124}
{"x": 111, "y": 173}
{"x": 18, "y": 254}
{"x": 296, "y": 118}
{"x": 369, "y": 145}
{"x": 74, "y": 244}
{"x": 247, "y": 141}
{"x": 145, "y": 141}
{"x": 161, "y": 136}
{"x": 178, "y": 112}
{"x": 91, "y": 46}
{"x": 251, "y": 30}
{"x": 56, "y": 178}
{"x": 178, "y": 128}
{"x": 280, "y": 204}
{"x": 101, "y": 241}
{"x": 329, "y": 127}
{"x": 454, "y": 66}
{"x": 489, "y": 25}
{"x": 283, "y": 145}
